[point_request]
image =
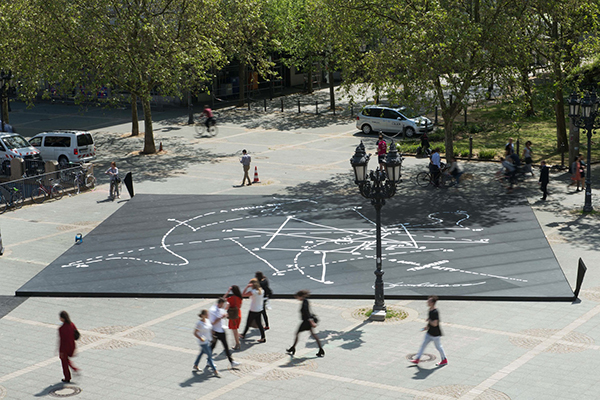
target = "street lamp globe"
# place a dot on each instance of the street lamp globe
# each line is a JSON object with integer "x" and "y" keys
{"x": 586, "y": 106}
{"x": 359, "y": 163}
{"x": 393, "y": 164}
{"x": 574, "y": 105}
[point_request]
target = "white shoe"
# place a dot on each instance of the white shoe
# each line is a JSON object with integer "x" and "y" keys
{"x": 235, "y": 364}
{"x": 195, "y": 368}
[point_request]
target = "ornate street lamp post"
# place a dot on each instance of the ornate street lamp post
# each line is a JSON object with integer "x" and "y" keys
{"x": 379, "y": 186}
{"x": 589, "y": 111}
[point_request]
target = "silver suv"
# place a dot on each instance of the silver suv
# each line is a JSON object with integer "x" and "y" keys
{"x": 394, "y": 120}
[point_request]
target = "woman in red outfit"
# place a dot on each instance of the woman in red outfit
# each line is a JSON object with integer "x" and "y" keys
{"x": 234, "y": 298}
{"x": 66, "y": 349}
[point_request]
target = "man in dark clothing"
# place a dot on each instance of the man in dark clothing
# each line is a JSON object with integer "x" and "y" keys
{"x": 434, "y": 333}
{"x": 544, "y": 179}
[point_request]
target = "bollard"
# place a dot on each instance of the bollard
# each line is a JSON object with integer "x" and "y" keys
{"x": 298, "y": 106}
{"x": 470, "y": 147}
{"x": 317, "y": 107}
{"x": 265, "y": 104}
{"x": 436, "y": 116}
{"x": 281, "y": 105}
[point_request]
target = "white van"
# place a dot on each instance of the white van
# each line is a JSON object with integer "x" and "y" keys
{"x": 13, "y": 145}
{"x": 65, "y": 146}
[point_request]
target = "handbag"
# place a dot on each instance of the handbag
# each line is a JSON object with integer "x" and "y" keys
{"x": 233, "y": 313}
{"x": 76, "y": 334}
{"x": 314, "y": 318}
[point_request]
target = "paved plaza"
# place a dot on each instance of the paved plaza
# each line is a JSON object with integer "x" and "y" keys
{"x": 143, "y": 348}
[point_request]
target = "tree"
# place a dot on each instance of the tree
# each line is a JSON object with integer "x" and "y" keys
{"x": 425, "y": 53}
{"x": 140, "y": 46}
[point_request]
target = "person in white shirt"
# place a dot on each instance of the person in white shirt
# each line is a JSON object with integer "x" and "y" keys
{"x": 203, "y": 333}
{"x": 256, "y": 294}
{"x": 435, "y": 166}
{"x": 216, "y": 314}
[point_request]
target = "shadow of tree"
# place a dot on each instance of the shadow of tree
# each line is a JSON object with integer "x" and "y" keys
{"x": 179, "y": 155}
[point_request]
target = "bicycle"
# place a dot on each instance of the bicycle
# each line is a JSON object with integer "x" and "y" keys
{"x": 425, "y": 179}
{"x": 201, "y": 127}
{"x": 39, "y": 194}
{"x": 115, "y": 188}
{"x": 85, "y": 179}
{"x": 13, "y": 198}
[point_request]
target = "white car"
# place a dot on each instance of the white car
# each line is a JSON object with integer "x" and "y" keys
{"x": 65, "y": 146}
{"x": 393, "y": 120}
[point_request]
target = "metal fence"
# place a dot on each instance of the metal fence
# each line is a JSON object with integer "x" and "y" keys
{"x": 27, "y": 185}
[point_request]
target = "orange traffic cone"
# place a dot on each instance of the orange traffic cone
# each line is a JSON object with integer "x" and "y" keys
{"x": 256, "y": 175}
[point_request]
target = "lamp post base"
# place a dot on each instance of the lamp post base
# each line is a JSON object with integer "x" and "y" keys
{"x": 588, "y": 208}
{"x": 378, "y": 315}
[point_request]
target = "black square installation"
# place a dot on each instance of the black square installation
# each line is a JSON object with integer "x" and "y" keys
{"x": 197, "y": 246}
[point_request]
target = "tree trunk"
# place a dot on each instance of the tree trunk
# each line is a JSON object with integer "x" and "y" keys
{"x": 562, "y": 144}
{"x": 449, "y": 115}
{"x": 190, "y": 107}
{"x": 242, "y": 73}
{"x": 331, "y": 91}
{"x": 526, "y": 85}
{"x": 149, "y": 146}
{"x": 310, "y": 78}
{"x": 135, "y": 123}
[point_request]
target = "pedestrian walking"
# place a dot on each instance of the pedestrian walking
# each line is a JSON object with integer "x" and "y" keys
{"x": 246, "y": 160}
{"x": 215, "y": 315}
{"x": 67, "y": 334}
{"x": 256, "y": 294}
{"x": 203, "y": 333}
{"x": 234, "y": 312}
{"x": 454, "y": 170}
{"x": 544, "y": 179}
{"x": 576, "y": 173}
{"x": 381, "y": 152}
{"x": 309, "y": 323}
{"x": 527, "y": 157}
{"x": 264, "y": 285}
{"x": 434, "y": 333}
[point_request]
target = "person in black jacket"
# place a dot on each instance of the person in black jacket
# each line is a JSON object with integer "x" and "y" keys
{"x": 309, "y": 322}
{"x": 264, "y": 284}
{"x": 544, "y": 179}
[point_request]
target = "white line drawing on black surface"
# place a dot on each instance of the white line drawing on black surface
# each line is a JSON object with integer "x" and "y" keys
{"x": 313, "y": 248}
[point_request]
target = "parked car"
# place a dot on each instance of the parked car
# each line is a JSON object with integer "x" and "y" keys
{"x": 13, "y": 145}
{"x": 65, "y": 146}
{"x": 1, "y": 247}
{"x": 393, "y": 120}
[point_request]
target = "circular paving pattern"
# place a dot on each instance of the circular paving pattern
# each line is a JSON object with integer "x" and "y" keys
{"x": 2, "y": 392}
{"x": 536, "y": 336}
{"x": 143, "y": 334}
{"x": 281, "y": 373}
{"x": 65, "y": 391}
{"x": 592, "y": 294}
{"x": 456, "y": 391}
{"x": 401, "y": 314}
{"x": 424, "y": 358}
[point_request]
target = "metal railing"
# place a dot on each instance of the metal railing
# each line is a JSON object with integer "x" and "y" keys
{"x": 27, "y": 184}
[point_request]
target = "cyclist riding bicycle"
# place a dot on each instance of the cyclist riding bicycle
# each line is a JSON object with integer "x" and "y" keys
{"x": 210, "y": 118}
{"x": 113, "y": 172}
